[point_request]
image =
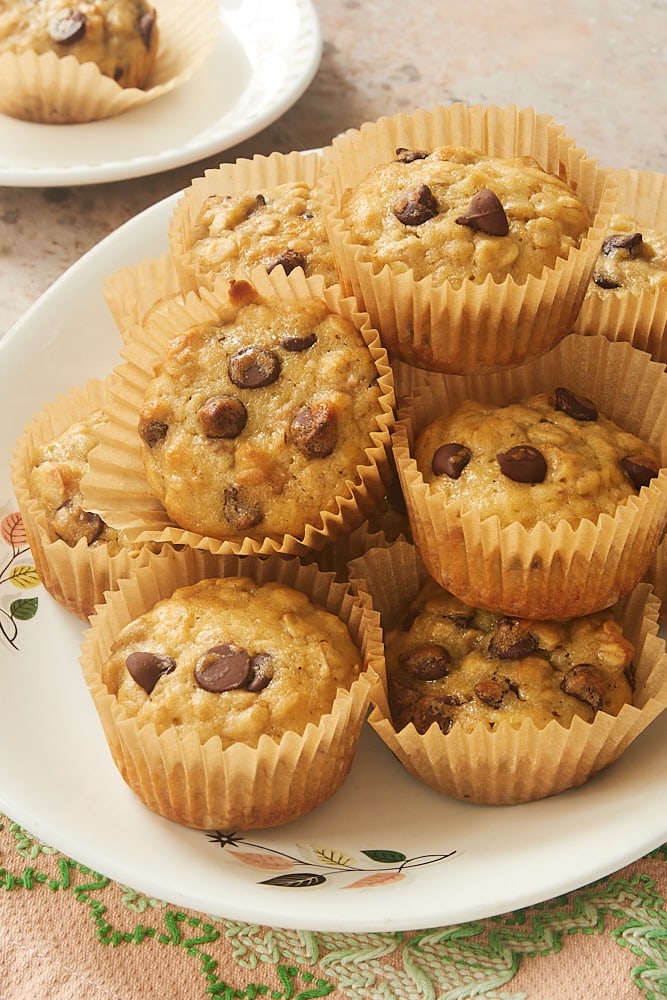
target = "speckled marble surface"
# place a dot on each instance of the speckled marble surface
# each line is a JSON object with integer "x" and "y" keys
{"x": 598, "y": 69}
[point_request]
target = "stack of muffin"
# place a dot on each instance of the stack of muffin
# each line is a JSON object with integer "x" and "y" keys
{"x": 429, "y": 267}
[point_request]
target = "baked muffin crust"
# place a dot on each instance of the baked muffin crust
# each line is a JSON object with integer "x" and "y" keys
{"x": 633, "y": 258}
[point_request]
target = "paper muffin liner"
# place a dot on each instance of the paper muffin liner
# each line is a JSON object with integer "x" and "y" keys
{"x": 478, "y": 327}
{"x": 656, "y": 576}
{"x": 512, "y": 765}
{"x": 545, "y": 572}
{"x": 622, "y": 314}
{"x": 135, "y": 292}
{"x": 117, "y": 488}
{"x": 256, "y": 174}
{"x": 57, "y": 90}
{"x": 203, "y": 785}
{"x": 77, "y": 577}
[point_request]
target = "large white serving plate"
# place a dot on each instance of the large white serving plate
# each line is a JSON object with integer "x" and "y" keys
{"x": 265, "y": 58}
{"x": 409, "y": 857}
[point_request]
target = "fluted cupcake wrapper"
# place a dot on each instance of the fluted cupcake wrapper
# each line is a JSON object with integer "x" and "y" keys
{"x": 477, "y": 327}
{"x": 544, "y": 572}
{"x": 203, "y": 785}
{"x": 135, "y": 292}
{"x": 511, "y": 765}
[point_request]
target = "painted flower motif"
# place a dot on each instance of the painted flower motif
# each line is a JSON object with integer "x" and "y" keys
{"x": 18, "y": 572}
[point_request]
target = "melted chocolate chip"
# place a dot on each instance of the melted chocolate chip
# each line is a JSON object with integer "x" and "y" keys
{"x": 512, "y": 640}
{"x": 639, "y": 469}
{"x": 296, "y": 344}
{"x": 490, "y": 691}
{"x": 522, "y": 464}
{"x": 239, "y": 515}
{"x": 67, "y": 27}
{"x": 450, "y": 460}
{"x": 153, "y": 431}
{"x": 261, "y": 671}
{"x": 145, "y": 26}
{"x": 486, "y": 214}
{"x": 577, "y": 407}
{"x": 314, "y": 430}
{"x": 147, "y": 668}
{"x": 404, "y": 155}
{"x": 431, "y": 710}
{"x": 253, "y": 367}
{"x": 416, "y": 207}
{"x": 426, "y": 662}
{"x": 586, "y": 682}
{"x": 603, "y": 282}
{"x": 621, "y": 241}
{"x": 289, "y": 259}
{"x": 223, "y": 668}
{"x": 223, "y": 417}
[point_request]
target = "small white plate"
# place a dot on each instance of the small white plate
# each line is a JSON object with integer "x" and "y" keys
{"x": 408, "y": 857}
{"x": 267, "y": 54}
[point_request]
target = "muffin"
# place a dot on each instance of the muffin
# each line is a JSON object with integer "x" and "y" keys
{"x": 509, "y": 733}
{"x": 77, "y": 555}
{"x": 548, "y": 545}
{"x": 469, "y": 234}
{"x": 257, "y": 421}
{"x": 632, "y": 257}
{"x": 223, "y": 684}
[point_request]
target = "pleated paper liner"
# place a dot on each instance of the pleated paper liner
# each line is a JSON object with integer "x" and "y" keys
{"x": 508, "y": 765}
{"x": 117, "y": 487}
{"x": 623, "y": 314}
{"x": 544, "y": 572}
{"x": 77, "y": 577}
{"x": 257, "y": 175}
{"x": 656, "y": 576}
{"x": 53, "y": 90}
{"x": 240, "y": 787}
{"x": 477, "y": 327}
{"x": 135, "y": 292}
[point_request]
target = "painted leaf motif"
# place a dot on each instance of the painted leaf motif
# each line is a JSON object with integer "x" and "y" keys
{"x": 330, "y": 856}
{"x": 386, "y": 857}
{"x": 13, "y": 531}
{"x": 24, "y": 577}
{"x": 296, "y": 880}
{"x": 377, "y": 878}
{"x": 23, "y": 609}
{"x": 271, "y": 862}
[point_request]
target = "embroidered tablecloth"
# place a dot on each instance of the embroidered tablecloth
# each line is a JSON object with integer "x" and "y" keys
{"x": 68, "y": 933}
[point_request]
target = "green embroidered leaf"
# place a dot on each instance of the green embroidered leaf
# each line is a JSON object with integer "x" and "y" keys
{"x": 24, "y": 577}
{"x": 24, "y": 608}
{"x": 386, "y": 857}
{"x": 296, "y": 880}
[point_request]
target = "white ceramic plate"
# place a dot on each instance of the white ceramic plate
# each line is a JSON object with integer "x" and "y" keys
{"x": 409, "y": 857}
{"x": 266, "y": 56}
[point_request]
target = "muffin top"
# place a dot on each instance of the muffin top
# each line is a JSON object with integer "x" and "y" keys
{"x": 633, "y": 258}
{"x": 549, "y": 457}
{"x": 277, "y": 226}
{"x": 232, "y": 658}
{"x": 451, "y": 663}
{"x": 460, "y": 215}
{"x": 254, "y": 425}
{"x": 120, "y": 36}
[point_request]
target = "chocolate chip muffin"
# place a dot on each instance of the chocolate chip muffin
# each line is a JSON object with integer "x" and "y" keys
{"x": 281, "y": 225}
{"x": 551, "y": 457}
{"x": 633, "y": 258}
{"x": 453, "y": 664}
{"x": 119, "y": 36}
{"x": 459, "y": 215}
{"x": 256, "y": 421}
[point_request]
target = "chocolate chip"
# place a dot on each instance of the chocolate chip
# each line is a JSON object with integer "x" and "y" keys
{"x": 145, "y": 26}
{"x": 586, "y": 682}
{"x": 416, "y": 207}
{"x": 404, "y": 155}
{"x": 296, "y": 344}
{"x": 67, "y": 27}
{"x": 314, "y": 430}
{"x": 450, "y": 460}
{"x": 603, "y": 282}
{"x": 223, "y": 417}
{"x": 426, "y": 662}
{"x": 147, "y": 668}
{"x": 522, "y": 464}
{"x": 577, "y": 407}
{"x": 511, "y": 640}
{"x": 431, "y": 710}
{"x": 485, "y": 213}
{"x": 261, "y": 671}
{"x": 153, "y": 431}
{"x": 289, "y": 259}
{"x": 640, "y": 469}
{"x": 621, "y": 241}
{"x": 490, "y": 691}
{"x": 223, "y": 668}
{"x": 253, "y": 367}
{"x": 239, "y": 515}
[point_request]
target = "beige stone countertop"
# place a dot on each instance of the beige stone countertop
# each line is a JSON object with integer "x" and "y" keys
{"x": 596, "y": 68}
